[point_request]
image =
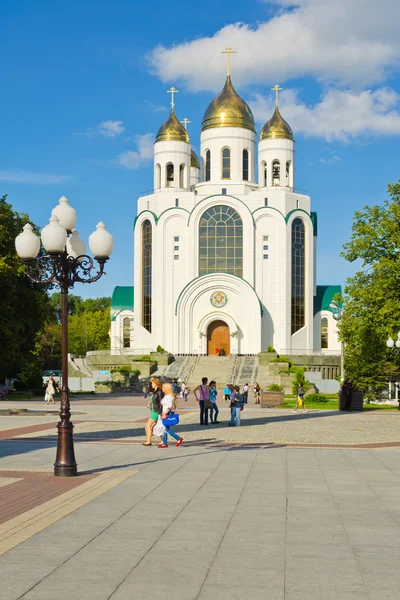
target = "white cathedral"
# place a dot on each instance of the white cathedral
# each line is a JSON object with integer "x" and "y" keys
{"x": 225, "y": 246}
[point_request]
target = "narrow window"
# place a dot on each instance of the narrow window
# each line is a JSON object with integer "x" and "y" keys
{"x": 276, "y": 173}
{"x": 176, "y": 239}
{"x": 170, "y": 175}
{"x": 182, "y": 176}
{"x": 224, "y": 191}
{"x": 265, "y": 201}
{"x": 265, "y": 238}
{"x": 158, "y": 176}
{"x": 245, "y": 165}
{"x": 324, "y": 333}
{"x": 176, "y": 256}
{"x": 263, "y": 174}
{"x": 226, "y": 163}
{"x": 297, "y": 203}
{"x": 208, "y": 165}
{"x": 126, "y": 332}
{"x": 176, "y": 202}
{"x": 298, "y": 275}
{"x": 288, "y": 173}
{"x": 146, "y": 274}
{"x": 265, "y": 256}
{"x": 176, "y": 247}
{"x": 265, "y": 247}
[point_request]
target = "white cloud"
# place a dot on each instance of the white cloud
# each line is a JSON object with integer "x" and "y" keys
{"x": 111, "y": 128}
{"x": 340, "y": 115}
{"x": 352, "y": 42}
{"x": 330, "y": 160}
{"x": 16, "y": 176}
{"x": 133, "y": 159}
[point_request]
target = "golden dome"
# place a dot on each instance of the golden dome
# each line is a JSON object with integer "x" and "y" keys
{"x": 276, "y": 128}
{"x": 172, "y": 130}
{"x": 228, "y": 110}
{"x": 194, "y": 160}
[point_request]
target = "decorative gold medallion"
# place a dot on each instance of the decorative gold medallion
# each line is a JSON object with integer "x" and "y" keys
{"x": 219, "y": 299}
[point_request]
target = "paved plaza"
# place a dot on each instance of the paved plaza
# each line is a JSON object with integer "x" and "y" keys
{"x": 288, "y": 506}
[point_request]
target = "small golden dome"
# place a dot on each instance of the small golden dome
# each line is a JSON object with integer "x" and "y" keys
{"x": 228, "y": 109}
{"x": 172, "y": 130}
{"x": 194, "y": 160}
{"x": 276, "y": 128}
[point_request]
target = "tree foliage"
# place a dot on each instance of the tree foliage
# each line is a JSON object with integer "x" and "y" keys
{"x": 372, "y": 297}
{"x": 23, "y": 305}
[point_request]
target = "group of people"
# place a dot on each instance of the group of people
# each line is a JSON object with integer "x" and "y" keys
{"x": 162, "y": 404}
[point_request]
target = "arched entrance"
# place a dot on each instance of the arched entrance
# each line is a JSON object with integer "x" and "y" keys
{"x": 218, "y": 337}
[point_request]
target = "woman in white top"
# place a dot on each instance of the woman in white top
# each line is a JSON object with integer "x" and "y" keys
{"x": 168, "y": 405}
{"x": 50, "y": 391}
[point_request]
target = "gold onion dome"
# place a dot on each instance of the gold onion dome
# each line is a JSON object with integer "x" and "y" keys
{"x": 276, "y": 128}
{"x": 172, "y": 129}
{"x": 228, "y": 109}
{"x": 194, "y": 160}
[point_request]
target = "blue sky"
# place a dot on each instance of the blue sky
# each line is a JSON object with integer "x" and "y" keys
{"x": 83, "y": 91}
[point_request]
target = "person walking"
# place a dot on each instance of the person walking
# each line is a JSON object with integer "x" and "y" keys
{"x": 227, "y": 393}
{"x": 51, "y": 389}
{"x": 257, "y": 393}
{"x": 204, "y": 396}
{"x": 155, "y": 408}
{"x": 300, "y": 399}
{"x": 246, "y": 392}
{"x": 175, "y": 387}
{"x": 213, "y": 398}
{"x": 167, "y": 404}
{"x": 148, "y": 390}
{"x": 236, "y": 404}
{"x": 347, "y": 390}
{"x": 186, "y": 393}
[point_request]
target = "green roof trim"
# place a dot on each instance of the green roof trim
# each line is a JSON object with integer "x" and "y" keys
{"x": 314, "y": 221}
{"x": 122, "y": 299}
{"x": 324, "y": 296}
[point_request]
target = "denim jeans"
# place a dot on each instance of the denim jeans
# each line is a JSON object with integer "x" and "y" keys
{"x": 214, "y": 410}
{"x": 168, "y": 431}
{"x": 235, "y": 415}
{"x": 203, "y": 413}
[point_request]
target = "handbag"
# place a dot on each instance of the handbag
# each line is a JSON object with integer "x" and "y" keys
{"x": 300, "y": 401}
{"x": 159, "y": 428}
{"x": 208, "y": 404}
{"x": 171, "y": 420}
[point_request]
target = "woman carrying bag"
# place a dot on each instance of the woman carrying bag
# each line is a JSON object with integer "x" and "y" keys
{"x": 169, "y": 417}
{"x": 155, "y": 408}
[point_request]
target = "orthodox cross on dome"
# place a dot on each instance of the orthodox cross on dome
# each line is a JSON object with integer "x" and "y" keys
{"x": 185, "y": 121}
{"x": 228, "y": 50}
{"x": 172, "y": 91}
{"x": 277, "y": 89}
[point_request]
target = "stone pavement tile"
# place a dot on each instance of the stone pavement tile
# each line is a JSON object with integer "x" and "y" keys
{"x": 329, "y": 591}
{"x": 269, "y": 590}
{"x": 316, "y": 571}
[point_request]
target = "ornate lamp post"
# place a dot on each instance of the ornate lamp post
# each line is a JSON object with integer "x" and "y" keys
{"x": 337, "y": 315}
{"x": 64, "y": 264}
{"x": 396, "y": 346}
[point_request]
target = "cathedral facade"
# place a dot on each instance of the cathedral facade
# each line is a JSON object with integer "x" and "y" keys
{"x": 225, "y": 246}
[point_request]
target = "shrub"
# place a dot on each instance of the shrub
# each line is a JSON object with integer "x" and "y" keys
{"x": 160, "y": 349}
{"x": 299, "y": 379}
{"x": 316, "y": 398}
{"x": 135, "y": 372}
{"x": 274, "y": 387}
{"x": 30, "y": 378}
{"x": 105, "y": 382}
{"x": 144, "y": 358}
{"x": 285, "y": 372}
{"x": 281, "y": 359}
{"x": 271, "y": 349}
{"x": 125, "y": 369}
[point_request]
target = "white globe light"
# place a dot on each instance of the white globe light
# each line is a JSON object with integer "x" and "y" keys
{"x": 65, "y": 213}
{"x": 27, "y": 244}
{"x": 75, "y": 246}
{"x": 101, "y": 242}
{"x": 54, "y": 237}
{"x": 390, "y": 343}
{"x": 398, "y": 343}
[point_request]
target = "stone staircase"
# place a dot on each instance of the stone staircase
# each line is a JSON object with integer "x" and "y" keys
{"x": 214, "y": 367}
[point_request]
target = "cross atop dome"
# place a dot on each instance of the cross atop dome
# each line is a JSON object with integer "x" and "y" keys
{"x": 228, "y": 50}
{"x": 172, "y": 91}
{"x": 277, "y": 89}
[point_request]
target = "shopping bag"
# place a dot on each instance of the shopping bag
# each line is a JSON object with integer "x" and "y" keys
{"x": 159, "y": 428}
{"x": 300, "y": 401}
{"x": 46, "y": 397}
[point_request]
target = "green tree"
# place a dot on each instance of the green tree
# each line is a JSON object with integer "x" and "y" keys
{"x": 89, "y": 331}
{"x": 23, "y": 305}
{"x": 372, "y": 297}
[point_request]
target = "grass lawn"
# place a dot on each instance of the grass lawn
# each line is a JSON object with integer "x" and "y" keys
{"x": 333, "y": 405}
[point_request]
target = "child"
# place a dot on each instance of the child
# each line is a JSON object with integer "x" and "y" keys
{"x": 186, "y": 393}
{"x": 213, "y": 399}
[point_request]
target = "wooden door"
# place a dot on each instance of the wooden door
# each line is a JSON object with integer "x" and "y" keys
{"x": 218, "y": 337}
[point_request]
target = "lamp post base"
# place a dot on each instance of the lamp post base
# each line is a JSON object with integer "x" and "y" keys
{"x": 65, "y": 465}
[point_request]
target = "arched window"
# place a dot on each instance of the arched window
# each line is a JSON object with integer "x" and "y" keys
{"x": 170, "y": 175}
{"x": 126, "y": 332}
{"x": 324, "y": 332}
{"x": 288, "y": 165}
{"x": 146, "y": 274}
{"x": 276, "y": 172}
{"x": 182, "y": 176}
{"x": 263, "y": 174}
{"x": 226, "y": 163}
{"x": 208, "y": 165}
{"x": 158, "y": 176}
{"x": 245, "y": 165}
{"x": 221, "y": 241}
{"x": 298, "y": 275}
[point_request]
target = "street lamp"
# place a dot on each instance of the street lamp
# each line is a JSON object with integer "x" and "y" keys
{"x": 65, "y": 263}
{"x": 337, "y": 313}
{"x": 391, "y": 344}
